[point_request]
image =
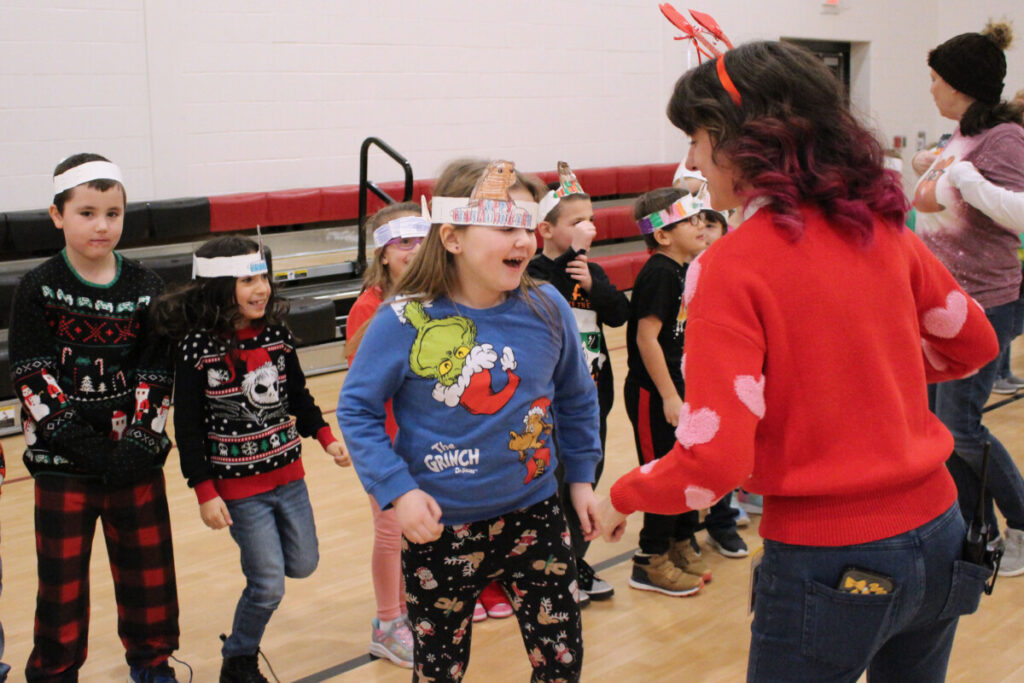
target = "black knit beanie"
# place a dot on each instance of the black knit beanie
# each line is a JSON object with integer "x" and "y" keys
{"x": 974, "y": 63}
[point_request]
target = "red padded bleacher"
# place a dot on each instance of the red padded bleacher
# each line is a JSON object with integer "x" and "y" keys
{"x": 622, "y": 269}
{"x": 339, "y": 202}
{"x": 238, "y": 211}
{"x": 294, "y": 206}
{"x": 615, "y": 222}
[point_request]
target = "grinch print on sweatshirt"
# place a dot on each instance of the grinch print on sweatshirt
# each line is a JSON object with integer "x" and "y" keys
{"x": 475, "y": 393}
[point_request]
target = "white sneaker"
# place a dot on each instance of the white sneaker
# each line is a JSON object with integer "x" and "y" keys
{"x": 1013, "y": 553}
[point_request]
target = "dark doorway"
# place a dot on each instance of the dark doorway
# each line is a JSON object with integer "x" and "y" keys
{"x": 835, "y": 55}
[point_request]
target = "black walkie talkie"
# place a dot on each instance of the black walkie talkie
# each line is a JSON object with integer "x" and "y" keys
{"x": 976, "y": 546}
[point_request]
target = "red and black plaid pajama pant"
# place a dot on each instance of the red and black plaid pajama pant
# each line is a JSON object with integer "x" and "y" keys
{"x": 137, "y": 531}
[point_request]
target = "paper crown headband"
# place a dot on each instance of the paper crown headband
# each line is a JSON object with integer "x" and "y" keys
{"x": 83, "y": 173}
{"x": 489, "y": 204}
{"x": 680, "y": 210}
{"x": 567, "y": 185}
{"x": 240, "y": 265}
{"x": 400, "y": 228}
{"x": 704, "y": 197}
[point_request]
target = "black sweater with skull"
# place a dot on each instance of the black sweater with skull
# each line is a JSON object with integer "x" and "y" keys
{"x": 233, "y": 412}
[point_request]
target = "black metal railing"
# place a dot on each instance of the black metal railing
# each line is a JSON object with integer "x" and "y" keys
{"x": 368, "y": 185}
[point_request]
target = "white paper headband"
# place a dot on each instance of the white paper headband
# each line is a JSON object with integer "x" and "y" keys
{"x": 242, "y": 265}
{"x": 399, "y": 228}
{"x": 493, "y": 213}
{"x": 83, "y": 173}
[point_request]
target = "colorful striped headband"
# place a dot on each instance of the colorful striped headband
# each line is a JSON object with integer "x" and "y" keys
{"x": 681, "y": 209}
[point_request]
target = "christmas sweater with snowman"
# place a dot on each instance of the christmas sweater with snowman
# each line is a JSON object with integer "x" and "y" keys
{"x": 233, "y": 413}
{"x": 93, "y": 379}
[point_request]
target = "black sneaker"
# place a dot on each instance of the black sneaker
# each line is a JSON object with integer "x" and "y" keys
{"x": 592, "y": 584}
{"x": 728, "y": 543}
{"x": 162, "y": 673}
{"x": 241, "y": 669}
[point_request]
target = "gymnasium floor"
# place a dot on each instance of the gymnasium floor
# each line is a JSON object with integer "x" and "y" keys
{"x": 321, "y": 630}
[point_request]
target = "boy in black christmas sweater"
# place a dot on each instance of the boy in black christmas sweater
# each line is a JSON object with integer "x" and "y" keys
{"x": 95, "y": 387}
{"x": 567, "y": 226}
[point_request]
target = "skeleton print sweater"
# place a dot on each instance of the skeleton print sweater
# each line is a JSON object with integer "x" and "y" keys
{"x": 233, "y": 413}
{"x": 93, "y": 379}
{"x": 805, "y": 366}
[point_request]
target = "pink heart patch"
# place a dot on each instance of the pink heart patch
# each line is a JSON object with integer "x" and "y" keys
{"x": 750, "y": 392}
{"x": 647, "y": 467}
{"x": 697, "y": 427}
{"x": 698, "y": 497}
{"x": 692, "y": 275}
{"x": 947, "y": 321}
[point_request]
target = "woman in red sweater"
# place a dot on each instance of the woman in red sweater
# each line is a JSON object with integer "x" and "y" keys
{"x": 811, "y": 333}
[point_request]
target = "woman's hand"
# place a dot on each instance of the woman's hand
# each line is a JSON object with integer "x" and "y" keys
{"x": 585, "y": 503}
{"x": 337, "y": 451}
{"x": 611, "y": 521}
{"x": 420, "y": 516}
{"x": 215, "y": 513}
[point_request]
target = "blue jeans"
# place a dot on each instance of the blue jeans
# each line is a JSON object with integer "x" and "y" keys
{"x": 806, "y": 630}
{"x": 958, "y": 404}
{"x": 277, "y": 538}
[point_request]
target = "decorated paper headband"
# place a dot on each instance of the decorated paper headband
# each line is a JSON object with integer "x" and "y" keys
{"x": 489, "y": 204}
{"x": 400, "y": 228}
{"x": 680, "y": 210}
{"x": 567, "y": 185}
{"x": 240, "y": 265}
{"x": 83, "y": 173}
{"x": 704, "y": 197}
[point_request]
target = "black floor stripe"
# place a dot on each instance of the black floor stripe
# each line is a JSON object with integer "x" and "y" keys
{"x": 362, "y": 660}
{"x": 1006, "y": 401}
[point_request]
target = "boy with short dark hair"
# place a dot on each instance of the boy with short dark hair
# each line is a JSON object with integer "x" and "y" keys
{"x": 567, "y": 226}
{"x": 95, "y": 388}
{"x": 669, "y": 220}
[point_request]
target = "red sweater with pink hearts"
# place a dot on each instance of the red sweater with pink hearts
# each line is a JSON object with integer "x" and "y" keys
{"x": 805, "y": 366}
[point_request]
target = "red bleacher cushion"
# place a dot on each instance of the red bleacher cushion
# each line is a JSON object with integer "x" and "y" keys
{"x": 661, "y": 175}
{"x": 633, "y": 179}
{"x": 291, "y": 207}
{"x": 549, "y": 177}
{"x": 339, "y": 203}
{"x": 615, "y": 222}
{"x": 598, "y": 182}
{"x": 238, "y": 211}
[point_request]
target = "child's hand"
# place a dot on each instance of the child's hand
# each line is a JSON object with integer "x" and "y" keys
{"x": 578, "y": 270}
{"x": 337, "y": 451}
{"x": 611, "y": 521}
{"x": 420, "y": 516}
{"x": 583, "y": 233}
{"x": 672, "y": 407}
{"x": 585, "y": 503}
{"x": 215, "y": 513}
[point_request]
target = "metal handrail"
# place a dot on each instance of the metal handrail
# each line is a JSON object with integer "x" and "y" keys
{"x": 365, "y": 184}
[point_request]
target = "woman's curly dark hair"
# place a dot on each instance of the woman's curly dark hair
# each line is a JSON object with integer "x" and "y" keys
{"x": 792, "y": 140}
{"x": 208, "y": 304}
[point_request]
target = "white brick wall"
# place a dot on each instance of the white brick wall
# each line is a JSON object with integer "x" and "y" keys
{"x": 194, "y": 97}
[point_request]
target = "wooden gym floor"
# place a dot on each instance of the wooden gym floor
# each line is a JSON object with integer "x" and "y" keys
{"x": 322, "y": 628}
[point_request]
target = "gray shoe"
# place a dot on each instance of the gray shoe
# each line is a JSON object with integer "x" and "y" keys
{"x": 1015, "y": 380}
{"x": 1004, "y": 386}
{"x": 1013, "y": 555}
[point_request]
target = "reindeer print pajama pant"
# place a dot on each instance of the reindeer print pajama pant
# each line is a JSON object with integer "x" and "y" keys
{"x": 528, "y": 552}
